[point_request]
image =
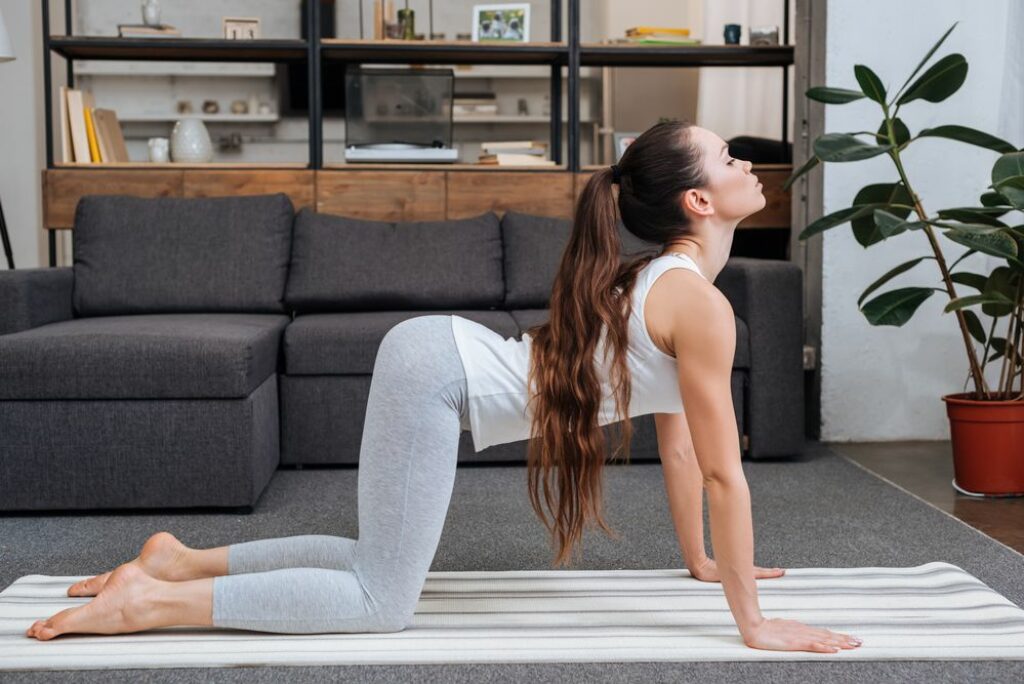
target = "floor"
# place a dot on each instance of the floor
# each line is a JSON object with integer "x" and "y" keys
{"x": 925, "y": 468}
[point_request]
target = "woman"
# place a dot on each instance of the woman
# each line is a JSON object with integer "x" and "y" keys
{"x": 437, "y": 375}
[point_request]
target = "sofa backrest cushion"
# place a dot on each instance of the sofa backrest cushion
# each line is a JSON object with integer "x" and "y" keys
{"x": 181, "y": 254}
{"x": 533, "y": 249}
{"x": 341, "y": 263}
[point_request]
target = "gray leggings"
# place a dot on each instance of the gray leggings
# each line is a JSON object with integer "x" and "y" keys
{"x": 321, "y": 583}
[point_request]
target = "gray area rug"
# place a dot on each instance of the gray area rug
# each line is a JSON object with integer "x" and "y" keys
{"x": 822, "y": 510}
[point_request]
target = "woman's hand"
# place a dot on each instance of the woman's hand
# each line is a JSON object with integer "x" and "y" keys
{"x": 777, "y": 634}
{"x": 707, "y": 571}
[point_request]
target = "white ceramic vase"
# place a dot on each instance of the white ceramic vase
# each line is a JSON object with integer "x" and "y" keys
{"x": 190, "y": 141}
{"x": 151, "y": 12}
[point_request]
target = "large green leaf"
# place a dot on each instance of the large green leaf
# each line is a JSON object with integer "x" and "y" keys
{"x": 996, "y": 243}
{"x": 994, "y": 199}
{"x": 843, "y": 147}
{"x": 927, "y": 56}
{"x": 865, "y": 229}
{"x": 968, "y": 135}
{"x": 902, "y": 268}
{"x": 836, "y": 218}
{"x": 971, "y": 300}
{"x": 961, "y": 258}
{"x": 940, "y": 81}
{"x": 974, "y": 326}
{"x": 1008, "y": 165}
{"x": 1012, "y": 189}
{"x": 975, "y": 280}
{"x": 896, "y": 307}
{"x": 900, "y": 132}
{"x": 833, "y": 95}
{"x": 1002, "y": 282}
{"x": 807, "y": 166}
{"x": 890, "y": 224}
{"x": 870, "y": 84}
{"x": 986, "y": 215}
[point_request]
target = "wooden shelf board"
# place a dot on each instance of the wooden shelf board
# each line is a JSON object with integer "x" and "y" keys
{"x": 179, "y": 49}
{"x": 613, "y": 54}
{"x": 443, "y": 51}
{"x": 181, "y": 165}
{"x": 439, "y": 167}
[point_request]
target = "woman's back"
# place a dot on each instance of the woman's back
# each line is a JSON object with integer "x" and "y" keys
{"x": 496, "y": 369}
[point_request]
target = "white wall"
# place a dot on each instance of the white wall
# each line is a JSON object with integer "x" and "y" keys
{"x": 22, "y": 150}
{"x": 885, "y": 383}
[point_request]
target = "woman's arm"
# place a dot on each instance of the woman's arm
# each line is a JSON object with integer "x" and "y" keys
{"x": 704, "y": 342}
{"x": 684, "y": 485}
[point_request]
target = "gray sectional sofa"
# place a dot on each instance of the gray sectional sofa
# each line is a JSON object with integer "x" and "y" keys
{"x": 197, "y": 344}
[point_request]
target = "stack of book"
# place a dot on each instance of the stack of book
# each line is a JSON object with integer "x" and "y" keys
{"x": 146, "y": 31}
{"x": 89, "y": 134}
{"x": 658, "y": 35}
{"x": 470, "y": 104}
{"x": 515, "y": 153}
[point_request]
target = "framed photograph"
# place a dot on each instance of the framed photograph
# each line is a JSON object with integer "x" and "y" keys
{"x": 502, "y": 23}
{"x": 241, "y": 28}
{"x": 623, "y": 139}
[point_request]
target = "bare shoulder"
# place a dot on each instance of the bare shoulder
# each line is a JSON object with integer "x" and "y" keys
{"x": 683, "y": 309}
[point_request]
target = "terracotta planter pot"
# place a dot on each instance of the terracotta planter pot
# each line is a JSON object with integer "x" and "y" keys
{"x": 988, "y": 444}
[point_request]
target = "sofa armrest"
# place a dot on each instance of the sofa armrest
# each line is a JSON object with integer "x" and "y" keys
{"x": 31, "y": 297}
{"x": 768, "y": 295}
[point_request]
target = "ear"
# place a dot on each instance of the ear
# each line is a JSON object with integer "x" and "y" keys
{"x": 697, "y": 202}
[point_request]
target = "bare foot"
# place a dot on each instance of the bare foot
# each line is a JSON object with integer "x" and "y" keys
{"x": 162, "y": 557}
{"x": 122, "y": 606}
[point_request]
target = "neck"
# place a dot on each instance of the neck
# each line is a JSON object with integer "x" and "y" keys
{"x": 708, "y": 244}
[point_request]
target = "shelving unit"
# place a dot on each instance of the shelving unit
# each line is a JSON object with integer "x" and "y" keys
{"x": 326, "y": 54}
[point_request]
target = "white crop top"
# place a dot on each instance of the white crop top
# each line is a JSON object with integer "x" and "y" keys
{"x": 496, "y": 369}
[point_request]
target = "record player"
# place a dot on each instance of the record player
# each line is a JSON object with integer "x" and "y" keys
{"x": 399, "y": 115}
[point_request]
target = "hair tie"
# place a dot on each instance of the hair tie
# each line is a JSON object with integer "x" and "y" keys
{"x": 616, "y": 173}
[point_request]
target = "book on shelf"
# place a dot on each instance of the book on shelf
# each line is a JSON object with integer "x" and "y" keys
{"x": 657, "y": 30}
{"x": 508, "y": 144}
{"x": 474, "y": 109}
{"x": 146, "y": 31}
{"x": 513, "y": 159}
{"x": 645, "y": 40}
{"x": 89, "y": 134}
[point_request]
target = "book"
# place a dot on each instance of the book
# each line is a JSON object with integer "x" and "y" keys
{"x": 510, "y": 159}
{"x": 664, "y": 30}
{"x": 109, "y": 135}
{"x": 505, "y": 144}
{"x": 66, "y": 152}
{"x": 146, "y": 31}
{"x": 78, "y": 100}
{"x": 90, "y": 131}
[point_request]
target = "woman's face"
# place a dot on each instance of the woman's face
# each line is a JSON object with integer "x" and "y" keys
{"x": 733, "y": 192}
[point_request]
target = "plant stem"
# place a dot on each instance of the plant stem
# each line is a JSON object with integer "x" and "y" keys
{"x": 979, "y": 379}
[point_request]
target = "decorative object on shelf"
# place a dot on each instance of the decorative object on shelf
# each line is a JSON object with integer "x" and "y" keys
{"x": 146, "y": 31}
{"x": 440, "y": 35}
{"x": 159, "y": 150}
{"x": 732, "y": 34}
{"x": 407, "y": 22}
{"x": 210, "y": 107}
{"x": 502, "y": 23}
{"x": 623, "y": 139}
{"x": 184, "y": 106}
{"x": 6, "y": 55}
{"x": 764, "y": 35}
{"x": 151, "y": 12}
{"x": 522, "y": 107}
{"x": 463, "y": 36}
{"x": 190, "y": 141}
{"x": 241, "y": 28}
{"x": 230, "y": 143}
{"x": 265, "y": 108}
{"x": 239, "y": 107}
{"x": 514, "y": 153}
{"x": 399, "y": 115}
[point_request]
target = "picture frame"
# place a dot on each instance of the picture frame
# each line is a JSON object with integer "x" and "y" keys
{"x": 501, "y": 23}
{"x": 623, "y": 139}
{"x": 241, "y": 28}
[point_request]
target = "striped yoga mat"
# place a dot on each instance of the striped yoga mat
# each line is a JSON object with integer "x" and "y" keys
{"x": 934, "y": 611}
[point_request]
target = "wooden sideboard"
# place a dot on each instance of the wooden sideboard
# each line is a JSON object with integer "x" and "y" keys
{"x": 379, "y": 193}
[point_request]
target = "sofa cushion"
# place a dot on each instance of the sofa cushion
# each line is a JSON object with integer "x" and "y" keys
{"x": 527, "y": 318}
{"x": 349, "y": 264}
{"x": 346, "y": 343}
{"x": 152, "y": 356}
{"x": 533, "y": 249}
{"x": 177, "y": 254}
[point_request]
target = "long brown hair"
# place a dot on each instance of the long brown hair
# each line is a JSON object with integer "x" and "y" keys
{"x": 592, "y": 293}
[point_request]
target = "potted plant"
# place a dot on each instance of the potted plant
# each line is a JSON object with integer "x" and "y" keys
{"x": 986, "y": 424}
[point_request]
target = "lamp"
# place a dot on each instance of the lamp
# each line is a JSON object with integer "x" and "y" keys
{"x": 6, "y": 55}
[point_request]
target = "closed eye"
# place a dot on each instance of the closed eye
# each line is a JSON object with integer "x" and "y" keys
{"x": 730, "y": 161}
